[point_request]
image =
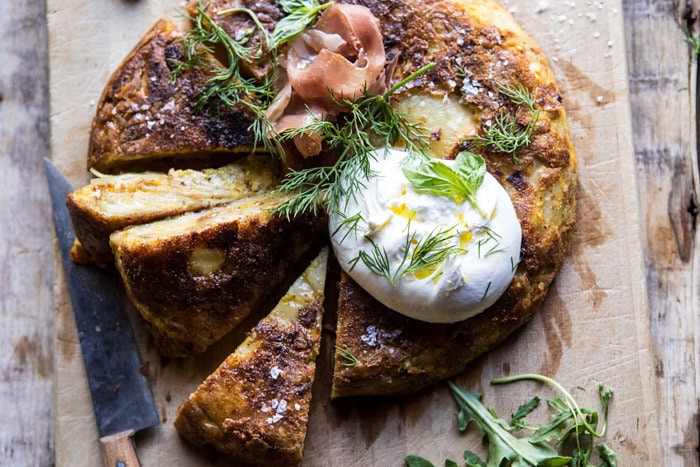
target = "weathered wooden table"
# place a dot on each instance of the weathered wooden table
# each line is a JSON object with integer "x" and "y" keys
{"x": 663, "y": 75}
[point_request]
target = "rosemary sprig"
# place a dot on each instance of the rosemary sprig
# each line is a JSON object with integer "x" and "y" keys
{"x": 346, "y": 353}
{"x": 426, "y": 253}
{"x": 370, "y": 122}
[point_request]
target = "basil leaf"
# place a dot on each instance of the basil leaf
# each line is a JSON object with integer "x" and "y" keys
{"x": 461, "y": 182}
{"x": 301, "y": 14}
{"x": 450, "y": 463}
{"x": 472, "y": 168}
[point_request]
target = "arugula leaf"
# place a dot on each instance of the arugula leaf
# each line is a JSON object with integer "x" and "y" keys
{"x": 582, "y": 457}
{"x": 417, "y": 461}
{"x": 473, "y": 460}
{"x": 504, "y": 447}
{"x": 301, "y": 13}
{"x": 560, "y": 420}
{"x": 460, "y": 182}
{"x": 517, "y": 418}
{"x": 607, "y": 455}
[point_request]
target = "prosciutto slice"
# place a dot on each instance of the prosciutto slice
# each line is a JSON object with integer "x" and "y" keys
{"x": 340, "y": 58}
{"x": 319, "y": 65}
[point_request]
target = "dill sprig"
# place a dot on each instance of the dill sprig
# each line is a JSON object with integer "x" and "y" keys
{"x": 518, "y": 94}
{"x": 227, "y": 84}
{"x": 346, "y": 353}
{"x": 350, "y": 223}
{"x": 369, "y": 122}
{"x": 425, "y": 254}
{"x": 506, "y": 135}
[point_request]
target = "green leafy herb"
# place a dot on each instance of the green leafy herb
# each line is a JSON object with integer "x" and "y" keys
{"x": 347, "y": 354}
{"x": 417, "y": 461}
{"x": 506, "y": 135}
{"x": 517, "y": 418}
{"x": 472, "y": 460}
{"x": 450, "y": 463}
{"x": 370, "y": 122}
{"x": 488, "y": 287}
{"x": 694, "y": 42}
{"x": 425, "y": 254}
{"x": 607, "y": 455}
{"x": 518, "y": 94}
{"x": 300, "y": 15}
{"x": 569, "y": 423}
{"x": 350, "y": 223}
{"x": 460, "y": 182}
{"x": 513, "y": 264}
{"x": 503, "y": 446}
{"x": 228, "y": 84}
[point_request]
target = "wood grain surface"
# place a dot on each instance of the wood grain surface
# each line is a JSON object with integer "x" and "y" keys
{"x": 663, "y": 95}
{"x": 594, "y": 325}
{"x": 26, "y": 248}
{"x": 663, "y": 83}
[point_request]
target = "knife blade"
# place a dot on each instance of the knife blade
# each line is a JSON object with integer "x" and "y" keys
{"x": 120, "y": 393}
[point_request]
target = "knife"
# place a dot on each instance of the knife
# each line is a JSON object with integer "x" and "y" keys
{"x": 121, "y": 397}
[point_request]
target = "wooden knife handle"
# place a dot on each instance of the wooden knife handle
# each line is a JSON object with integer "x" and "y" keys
{"x": 118, "y": 450}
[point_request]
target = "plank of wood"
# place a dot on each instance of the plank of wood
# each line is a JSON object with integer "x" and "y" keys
{"x": 26, "y": 251}
{"x": 663, "y": 80}
{"x": 594, "y": 325}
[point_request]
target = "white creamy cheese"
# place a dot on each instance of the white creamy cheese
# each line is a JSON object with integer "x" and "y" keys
{"x": 468, "y": 282}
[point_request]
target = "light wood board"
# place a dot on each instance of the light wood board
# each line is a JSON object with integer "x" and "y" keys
{"x": 593, "y": 327}
{"x": 26, "y": 248}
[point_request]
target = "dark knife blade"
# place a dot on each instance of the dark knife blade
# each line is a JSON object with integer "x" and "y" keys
{"x": 121, "y": 397}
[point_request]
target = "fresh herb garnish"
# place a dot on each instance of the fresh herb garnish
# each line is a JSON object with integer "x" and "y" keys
{"x": 694, "y": 42}
{"x": 460, "y": 182}
{"x": 350, "y": 223}
{"x": 346, "y": 353}
{"x": 517, "y": 418}
{"x": 300, "y": 15}
{"x": 488, "y": 287}
{"x": 418, "y": 255}
{"x": 229, "y": 84}
{"x": 370, "y": 122}
{"x": 518, "y": 94}
{"x": 506, "y": 135}
{"x": 569, "y": 423}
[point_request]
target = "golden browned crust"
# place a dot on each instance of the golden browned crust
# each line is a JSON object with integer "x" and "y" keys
{"x": 145, "y": 114}
{"x": 188, "y": 310}
{"x": 400, "y": 355}
{"x": 79, "y": 256}
{"x": 157, "y": 197}
{"x": 255, "y": 407}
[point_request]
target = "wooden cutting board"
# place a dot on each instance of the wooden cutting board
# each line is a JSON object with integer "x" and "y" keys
{"x": 593, "y": 326}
